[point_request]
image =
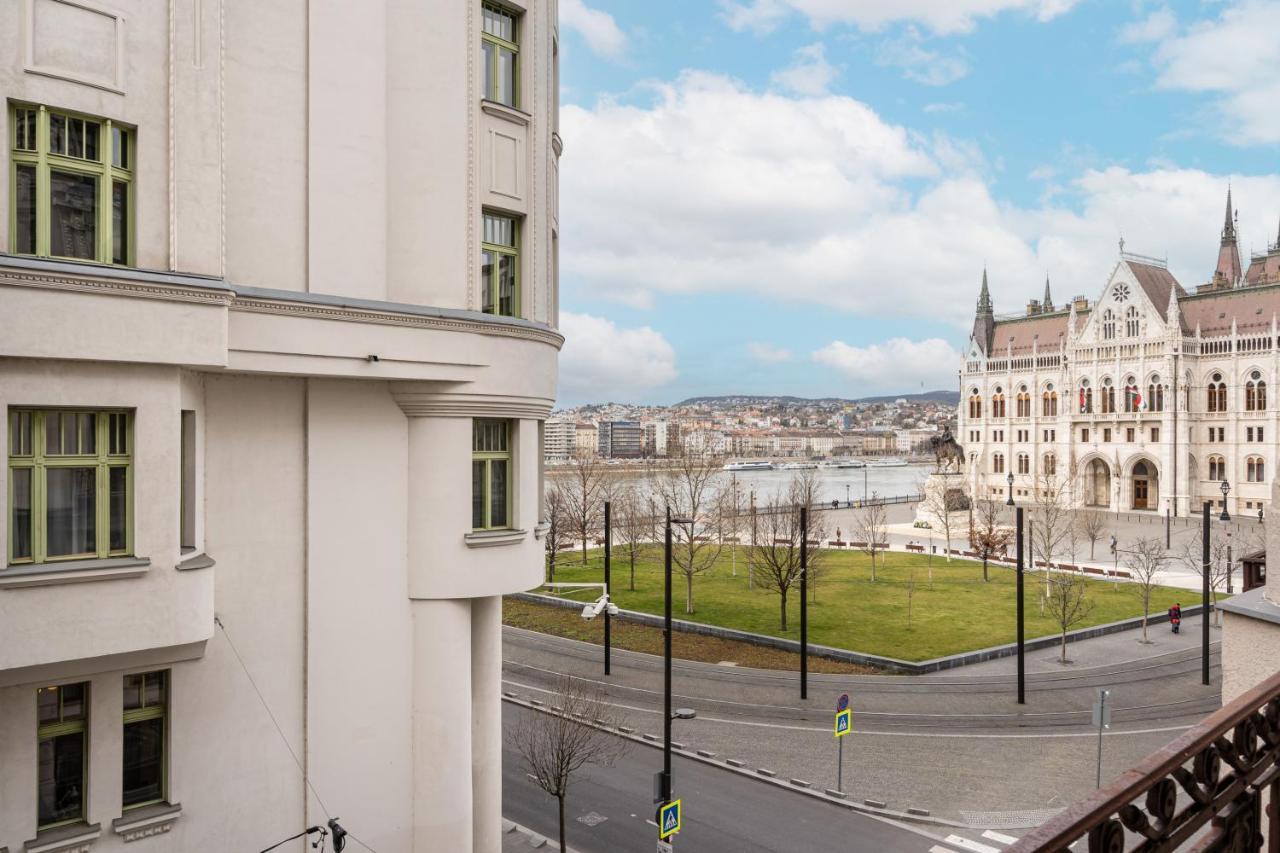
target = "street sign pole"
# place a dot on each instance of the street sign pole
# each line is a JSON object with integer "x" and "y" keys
{"x": 608, "y": 543}
{"x": 1101, "y": 719}
{"x": 844, "y": 724}
{"x": 840, "y": 766}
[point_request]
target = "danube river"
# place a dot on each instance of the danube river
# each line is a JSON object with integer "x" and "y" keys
{"x": 839, "y": 484}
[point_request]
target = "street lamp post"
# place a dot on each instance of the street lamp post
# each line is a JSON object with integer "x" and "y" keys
{"x": 847, "y": 501}
{"x": 1204, "y": 594}
{"x": 608, "y": 543}
{"x": 1225, "y": 487}
{"x": 1009, "y": 502}
{"x": 1022, "y": 663}
{"x": 680, "y": 713}
{"x": 804, "y": 602}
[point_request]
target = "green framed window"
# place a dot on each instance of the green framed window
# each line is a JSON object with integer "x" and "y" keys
{"x": 62, "y": 715}
{"x": 146, "y": 717}
{"x": 490, "y": 474}
{"x": 71, "y": 182}
{"x": 500, "y": 265}
{"x": 499, "y": 42}
{"x": 70, "y": 484}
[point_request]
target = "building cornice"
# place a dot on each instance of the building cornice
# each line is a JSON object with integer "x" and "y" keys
{"x": 21, "y": 271}
{"x": 449, "y": 404}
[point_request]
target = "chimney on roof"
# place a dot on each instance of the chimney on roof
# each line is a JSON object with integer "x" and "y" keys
{"x": 1033, "y": 307}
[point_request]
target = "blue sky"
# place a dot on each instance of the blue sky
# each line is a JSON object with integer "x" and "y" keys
{"x": 799, "y": 196}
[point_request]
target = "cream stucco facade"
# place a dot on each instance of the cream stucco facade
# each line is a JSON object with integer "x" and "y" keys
{"x": 300, "y": 341}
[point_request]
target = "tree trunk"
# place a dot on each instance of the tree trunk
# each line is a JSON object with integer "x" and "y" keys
{"x": 784, "y": 609}
{"x": 688, "y": 592}
{"x": 633, "y": 569}
{"x": 584, "y": 547}
{"x": 1064, "y": 645}
{"x": 873, "y": 566}
{"x": 562, "y": 846}
{"x": 1144, "y": 626}
{"x": 1092, "y": 544}
{"x": 984, "y": 568}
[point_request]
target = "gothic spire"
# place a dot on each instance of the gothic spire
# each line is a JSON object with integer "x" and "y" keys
{"x": 984, "y": 323}
{"x": 1228, "y": 226}
{"x": 984, "y": 298}
{"x": 1048, "y": 300}
{"x": 1228, "y": 271}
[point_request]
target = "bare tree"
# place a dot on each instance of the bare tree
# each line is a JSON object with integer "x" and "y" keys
{"x": 582, "y": 489}
{"x": 558, "y": 532}
{"x": 870, "y": 525}
{"x": 1145, "y": 560}
{"x": 632, "y": 528}
{"x": 775, "y": 559}
{"x": 1051, "y": 510}
{"x": 688, "y": 487}
{"x": 1068, "y": 602}
{"x": 938, "y": 505}
{"x": 1190, "y": 553}
{"x": 1092, "y": 525}
{"x": 557, "y": 743}
{"x": 805, "y": 487}
{"x": 987, "y": 536}
{"x": 911, "y": 591}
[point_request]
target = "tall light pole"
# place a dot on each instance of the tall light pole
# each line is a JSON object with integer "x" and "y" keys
{"x": 1022, "y": 662}
{"x": 608, "y": 546}
{"x": 804, "y": 602}
{"x": 1204, "y": 595}
{"x": 665, "y": 786}
{"x": 1009, "y": 502}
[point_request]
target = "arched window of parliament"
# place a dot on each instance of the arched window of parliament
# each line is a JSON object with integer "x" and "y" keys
{"x": 1217, "y": 394}
{"x": 997, "y": 403}
{"x": 997, "y": 463}
{"x": 975, "y": 405}
{"x": 1131, "y": 395}
{"x": 1131, "y": 322}
{"x": 1255, "y": 470}
{"x": 1049, "y": 402}
{"x": 1108, "y": 397}
{"x": 1050, "y": 464}
{"x": 1255, "y": 393}
{"x": 1217, "y": 468}
{"x": 1155, "y": 395}
{"x": 1086, "y": 397}
{"x": 1024, "y": 463}
{"x": 1024, "y": 403}
{"x": 1108, "y": 325}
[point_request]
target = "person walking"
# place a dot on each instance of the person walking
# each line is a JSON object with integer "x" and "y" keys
{"x": 1175, "y": 617}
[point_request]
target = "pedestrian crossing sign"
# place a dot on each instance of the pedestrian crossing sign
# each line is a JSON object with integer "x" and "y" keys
{"x": 844, "y": 721}
{"x": 669, "y": 819}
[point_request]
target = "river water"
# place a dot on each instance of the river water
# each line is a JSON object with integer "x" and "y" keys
{"x": 839, "y": 484}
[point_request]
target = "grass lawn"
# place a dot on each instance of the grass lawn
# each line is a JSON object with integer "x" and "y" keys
{"x": 957, "y": 612}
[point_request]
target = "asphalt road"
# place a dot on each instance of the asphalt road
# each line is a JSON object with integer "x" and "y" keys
{"x": 725, "y": 812}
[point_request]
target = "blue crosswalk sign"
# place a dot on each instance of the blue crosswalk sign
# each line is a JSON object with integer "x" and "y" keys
{"x": 669, "y": 818}
{"x": 844, "y": 720}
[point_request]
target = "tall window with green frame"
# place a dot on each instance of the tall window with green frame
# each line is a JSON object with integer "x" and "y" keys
{"x": 500, "y": 265}
{"x": 71, "y": 186}
{"x": 146, "y": 707}
{"x": 490, "y": 474}
{"x": 62, "y": 718}
{"x": 70, "y": 484}
{"x": 500, "y": 43}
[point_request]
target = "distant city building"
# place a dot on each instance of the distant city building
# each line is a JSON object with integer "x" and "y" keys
{"x": 586, "y": 439}
{"x": 560, "y": 440}
{"x": 619, "y": 439}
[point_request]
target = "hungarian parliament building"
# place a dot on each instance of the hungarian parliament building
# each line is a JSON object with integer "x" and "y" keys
{"x": 1153, "y": 398}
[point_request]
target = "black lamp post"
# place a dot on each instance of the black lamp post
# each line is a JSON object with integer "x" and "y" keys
{"x": 608, "y": 546}
{"x": 804, "y": 602}
{"x": 1204, "y": 593}
{"x": 1022, "y": 663}
{"x": 1225, "y": 487}
{"x": 665, "y": 786}
{"x": 1009, "y": 502}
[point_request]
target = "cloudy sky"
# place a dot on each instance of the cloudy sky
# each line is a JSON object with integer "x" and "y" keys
{"x": 799, "y": 196}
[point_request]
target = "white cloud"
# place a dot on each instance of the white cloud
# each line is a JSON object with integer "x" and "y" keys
{"x": 820, "y": 201}
{"x": 920, "y": 63}
{"x": 768, "y": 353}
{"x": 940, "y": 16}
{"x": 600, "y": 31}
{"x": 1237, "y": 58}
{"x": 600, "y": 360}
{"x": 897, "y": 363}
{"x": 809, "y": 74}
{"x": 952, "y": 107}
{"x": 1157, "y": 26}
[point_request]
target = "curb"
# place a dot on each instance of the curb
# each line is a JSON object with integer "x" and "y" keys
{"x": 894, "y": 665}
{"x": 875, "y": 808}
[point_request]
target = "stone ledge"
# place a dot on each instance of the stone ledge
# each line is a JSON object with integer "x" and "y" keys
{"x": 196, "y": 561}
{"x": 147, "y": 821}
{"x": 73, "y": 571}
{"x": 502, "y": 111}
{"x": 76, "y": 838}
{"x": 1253, "y": 605}
{"x": 492, "y": 538}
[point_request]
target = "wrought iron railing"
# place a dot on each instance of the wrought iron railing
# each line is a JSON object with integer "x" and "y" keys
{"x": 1223, "y": 766}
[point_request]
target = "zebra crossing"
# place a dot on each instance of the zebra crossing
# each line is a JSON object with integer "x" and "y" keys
{"x": 992, "y": 842}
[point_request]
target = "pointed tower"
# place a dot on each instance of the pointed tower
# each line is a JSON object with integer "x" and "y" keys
{"x": 1229, "y": 271}
{"x": 1047, "y": 305}
{"x": 984, "y": 322}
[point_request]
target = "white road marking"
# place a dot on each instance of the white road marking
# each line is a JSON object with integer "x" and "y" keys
{"x": 872, "y": 733}
{"x": 999, "y": 836}
{"x": 938, "y": 848}
{"x": 965, "y": 844}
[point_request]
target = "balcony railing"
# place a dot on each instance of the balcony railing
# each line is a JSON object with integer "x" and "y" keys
{"x": 1222, "y": 766}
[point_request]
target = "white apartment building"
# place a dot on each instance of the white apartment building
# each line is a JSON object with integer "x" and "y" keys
{"x": 559, "y": 439}
{"x": 277, "y": 291}
{"x": 1153, "y": 396}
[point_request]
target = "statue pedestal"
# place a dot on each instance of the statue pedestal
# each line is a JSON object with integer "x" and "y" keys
{"x": 952, "y": 487}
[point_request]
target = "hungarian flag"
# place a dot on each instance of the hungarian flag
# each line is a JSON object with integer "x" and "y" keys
{"x": 1137, "y": 402}
{"x": 1082, "y": 400}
